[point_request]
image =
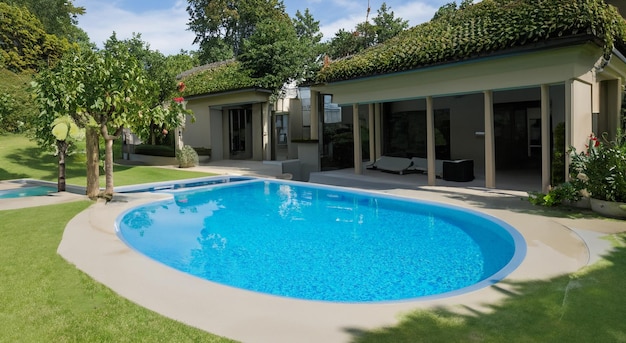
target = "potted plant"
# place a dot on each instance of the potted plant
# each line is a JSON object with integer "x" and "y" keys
{"x": 601, "y": 171}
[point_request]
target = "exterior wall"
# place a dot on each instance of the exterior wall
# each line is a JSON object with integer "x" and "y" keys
{"x": 196, "y": 134}
{"x": 217, "y": 135}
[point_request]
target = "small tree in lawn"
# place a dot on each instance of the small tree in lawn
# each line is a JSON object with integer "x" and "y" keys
{"x": 104, "y": 91}
{"x": 66, "y": 132}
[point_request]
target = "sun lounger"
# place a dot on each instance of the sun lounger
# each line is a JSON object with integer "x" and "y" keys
{"x": 400, "y": 165}
{"x": 421, "y": 164}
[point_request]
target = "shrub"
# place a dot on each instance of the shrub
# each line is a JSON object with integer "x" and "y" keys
{"x": 187, "y": 157}
{"x": 601, "y": 170}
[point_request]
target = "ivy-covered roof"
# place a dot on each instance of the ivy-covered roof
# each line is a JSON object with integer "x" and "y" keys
{"x": 482, "y": 29}
{"x": 217, "y": 77}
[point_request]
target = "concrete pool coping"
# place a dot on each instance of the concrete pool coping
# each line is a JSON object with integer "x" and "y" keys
{"x": 556, "y": 246}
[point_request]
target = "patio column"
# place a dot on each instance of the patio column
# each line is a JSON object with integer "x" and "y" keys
{"x": 315, "y": 95}
{"x": 545, "y": 138}
{"x": 372, "y": 130}
{"x": 490, "y": 147}
{"x": 356, "y": 128}
{"x": 430, "y": 141}
{"x": 377, "y": 131}
{"x": 267, "y": 130}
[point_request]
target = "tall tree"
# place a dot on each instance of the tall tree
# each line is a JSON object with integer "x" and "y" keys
{"x": 59, "y": 17}
{"x": 221, "y": 26}
{"x": 310, "y": 37}
{"x": 385, "y": 26}
{"x": 24, "y": 44}
{"x": 273, "y": 53}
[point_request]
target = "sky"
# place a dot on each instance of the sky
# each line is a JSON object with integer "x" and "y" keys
{"x": 163, "y": 23}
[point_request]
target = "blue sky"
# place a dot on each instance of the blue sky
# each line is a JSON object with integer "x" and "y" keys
{"x": 163, "y": 23}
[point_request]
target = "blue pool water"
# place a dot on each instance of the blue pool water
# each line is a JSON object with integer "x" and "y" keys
{"x": 169, "y": 185}
{"x": 28, "y": 191}
{"x": 323, "y": 243}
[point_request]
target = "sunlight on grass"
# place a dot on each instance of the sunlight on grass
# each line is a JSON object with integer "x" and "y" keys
{"x": 585, "y": 306}
{"x": 21, "y": 158}
{"x": 45, "y": 299}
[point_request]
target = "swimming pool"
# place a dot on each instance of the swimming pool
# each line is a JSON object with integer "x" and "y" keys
{"x": 173, "y": 185}
{"x": 323, "y": 243}
{"x": 26, "y": 191}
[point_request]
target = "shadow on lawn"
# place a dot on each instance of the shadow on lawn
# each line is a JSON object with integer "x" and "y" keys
{"x": 586, "y": 306}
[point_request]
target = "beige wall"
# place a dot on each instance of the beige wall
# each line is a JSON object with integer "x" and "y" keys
{"x": 196, "y": 133}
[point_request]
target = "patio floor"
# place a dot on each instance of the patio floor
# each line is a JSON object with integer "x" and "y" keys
{"x": 556, "y": 245}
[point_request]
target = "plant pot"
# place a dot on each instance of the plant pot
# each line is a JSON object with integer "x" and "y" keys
{"x": 583, "y": 203}
{"x": 611, "y": 209}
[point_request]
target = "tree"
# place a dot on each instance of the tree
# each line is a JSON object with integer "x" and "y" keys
{"x": 58, "y": 17}
{"x": 24, "y": 44}
{"x": 221, "y": 26}
{"x": 104, "y": 91}
{"x": 161, "y": 88}
{"x": 386, "y": 25}
{"x": 60, "y": 93}
{"x": 310, "y": 37}
{"x": 273, "y": 53}
{"x": 365, "y": 35}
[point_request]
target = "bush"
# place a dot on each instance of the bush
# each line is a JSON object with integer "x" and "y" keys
{"x": 187, "y": 157}
{"x": 601, "y": 170}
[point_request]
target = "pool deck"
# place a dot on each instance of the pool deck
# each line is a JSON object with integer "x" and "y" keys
{"x": 556, "y": 246}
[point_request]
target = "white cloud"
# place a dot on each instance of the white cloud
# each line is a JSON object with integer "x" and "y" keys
{"x": 164, "y": 30}
{"x": 415, "y": 12}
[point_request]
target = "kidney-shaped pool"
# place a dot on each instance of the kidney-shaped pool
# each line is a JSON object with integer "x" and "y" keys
{"x": 323, "y": 243}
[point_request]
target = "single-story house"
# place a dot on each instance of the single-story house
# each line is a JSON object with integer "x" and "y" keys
{"x": 509, "y": 85}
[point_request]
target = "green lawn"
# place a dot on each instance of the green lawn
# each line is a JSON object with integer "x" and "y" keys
{"x": 45, "y": 299}
{"x": 22, "y": 158}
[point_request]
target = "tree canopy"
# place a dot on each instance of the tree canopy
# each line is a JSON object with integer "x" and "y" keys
{"x": 385, "y": 26}
{"x": 58, "y": 17}
{"x": 25, "y": 45}
{"x": 222, "y": 26}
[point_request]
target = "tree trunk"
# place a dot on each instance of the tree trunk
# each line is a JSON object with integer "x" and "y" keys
{"x": 108, "y": 158}
{"x": 108, "y": 168}
{"x": 93, "y": 162}
{"x": 62, "y": 146}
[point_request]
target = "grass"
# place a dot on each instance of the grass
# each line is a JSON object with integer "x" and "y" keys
{"x": 45, "y": 299}
{"x": 587, "y": 306}
{"x": 22, "y": 158}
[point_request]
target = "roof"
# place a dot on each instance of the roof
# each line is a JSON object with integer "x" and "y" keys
{"x": 483, "y": 29}
{"x": 217, "y": 77}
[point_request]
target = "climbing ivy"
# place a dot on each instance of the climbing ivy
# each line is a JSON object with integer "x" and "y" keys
{"x": 483, "y": 28}
{"x": 218, "y": 78}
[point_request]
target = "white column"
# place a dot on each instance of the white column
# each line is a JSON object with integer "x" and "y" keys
{"x": 430, "y": 141}
{"x": 545, "y": 138}
{"x": 372, "y": 130}
{"x": 267, "y": 131}
{"x": 490, "y": 147}
{"x": 358, "y": 163}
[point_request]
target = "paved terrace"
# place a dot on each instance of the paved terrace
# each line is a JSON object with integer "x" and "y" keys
{"x": 555, "y": 246}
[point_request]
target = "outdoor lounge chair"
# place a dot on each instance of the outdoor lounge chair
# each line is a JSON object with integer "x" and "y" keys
{"x": 421, "y": 164}
{"x": 400, "y": 165}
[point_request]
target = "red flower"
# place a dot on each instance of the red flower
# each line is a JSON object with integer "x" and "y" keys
{"x": 179, "y": 100}
{"x": 164, "y": 132}
{"x": 181, "y": 86}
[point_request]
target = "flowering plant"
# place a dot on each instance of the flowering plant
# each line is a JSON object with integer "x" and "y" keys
{"x": 601, "y": 170}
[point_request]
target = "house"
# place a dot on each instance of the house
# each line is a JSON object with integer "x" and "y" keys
{"x": 484, "y": 83}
